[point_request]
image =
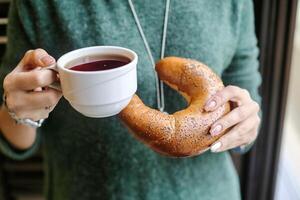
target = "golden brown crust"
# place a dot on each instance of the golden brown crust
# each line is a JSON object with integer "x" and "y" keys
{"x": 183, "y": 133}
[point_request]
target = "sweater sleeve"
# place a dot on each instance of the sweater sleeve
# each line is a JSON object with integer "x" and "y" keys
{"x": 18, "y": 43}
{"x": 243, "y": 70}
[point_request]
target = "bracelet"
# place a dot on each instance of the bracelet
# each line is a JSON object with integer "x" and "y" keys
{"x": 25, "y": 121}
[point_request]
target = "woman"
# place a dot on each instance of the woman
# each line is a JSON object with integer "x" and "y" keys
{"x": 96, "y": 158}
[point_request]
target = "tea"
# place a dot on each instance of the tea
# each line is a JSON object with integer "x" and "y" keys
{"x": 97, "y": 93}
{"x": 98, "y": 63}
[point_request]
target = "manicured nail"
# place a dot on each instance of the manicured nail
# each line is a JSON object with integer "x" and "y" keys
{"x": 216, "y": 130}
{"x": 211, "y": 104}
{"x": 38, "y": 89}
{"x": 47, "y": 60}
{"x": 215, "y": 147}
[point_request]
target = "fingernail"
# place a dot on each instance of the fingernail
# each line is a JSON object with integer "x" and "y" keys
{"x": 47, "y": 60}
{"x": 216, "y": 130}
{"x": 211, "y": 104}
{"x": 38, "y": 89}
{"x": 215, "y": 147}
{"x": 57, "y": 77}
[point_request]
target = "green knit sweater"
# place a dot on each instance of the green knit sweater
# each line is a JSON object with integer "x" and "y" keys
{"x": 87, "y": 158}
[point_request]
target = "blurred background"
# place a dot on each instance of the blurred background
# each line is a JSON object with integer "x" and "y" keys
{"x": 288, "y": 182}
{"x": 271, "y": 169}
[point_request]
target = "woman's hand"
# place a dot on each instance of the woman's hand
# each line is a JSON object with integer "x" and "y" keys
{"x": 243, "y": 121}
{"x": 25, "y": 88}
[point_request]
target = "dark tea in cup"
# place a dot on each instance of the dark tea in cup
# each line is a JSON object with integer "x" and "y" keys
{"x": 97, "y": 81}
{"x": 98, "y": 63}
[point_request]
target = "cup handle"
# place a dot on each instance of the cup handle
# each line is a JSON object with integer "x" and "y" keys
{"x": 56, "y": 85}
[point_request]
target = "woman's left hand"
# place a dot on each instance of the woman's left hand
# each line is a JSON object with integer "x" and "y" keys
{"x": 243, "y": 119}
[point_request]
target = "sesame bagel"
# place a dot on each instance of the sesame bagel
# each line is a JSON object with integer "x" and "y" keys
{"x": 185, "y": 132}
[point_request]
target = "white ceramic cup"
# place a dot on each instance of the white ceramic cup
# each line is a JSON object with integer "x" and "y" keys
{"x": 97, "y": 93}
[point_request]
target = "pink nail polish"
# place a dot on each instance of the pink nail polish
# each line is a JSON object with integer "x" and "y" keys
{"x": 216, "y": 130}
{"x": 211, "y": 104}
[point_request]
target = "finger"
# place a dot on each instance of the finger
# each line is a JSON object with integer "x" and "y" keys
{"x": 33, "y": 79}
{"x": 229, "y": 93}
{"x": 237, "y": 115}
{"x": 34, "y": 58}
{"x": 19, "y": 102}
{"x": 243, "y": 133}
{"x": 47, "y": 98}
{"x": 38, "y": 89}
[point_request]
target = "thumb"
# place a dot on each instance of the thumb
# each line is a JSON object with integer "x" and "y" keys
{"x": 35, "y": 58}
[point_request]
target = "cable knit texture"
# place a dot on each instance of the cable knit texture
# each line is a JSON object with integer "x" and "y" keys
{"x": 89, "y": 158}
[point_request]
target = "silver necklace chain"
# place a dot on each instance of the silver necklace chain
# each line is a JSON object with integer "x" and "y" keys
{"x": 159, "y": 83}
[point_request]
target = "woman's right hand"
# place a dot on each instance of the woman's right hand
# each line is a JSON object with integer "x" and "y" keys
{"x": 26, "y": 87}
